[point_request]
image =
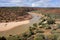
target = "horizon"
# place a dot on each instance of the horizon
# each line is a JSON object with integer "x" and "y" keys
{"x": 29, "y": 3}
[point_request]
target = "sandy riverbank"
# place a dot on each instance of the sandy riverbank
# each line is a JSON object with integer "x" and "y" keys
{"x": 19, "y": 29}
{"x": 10, "y": 25}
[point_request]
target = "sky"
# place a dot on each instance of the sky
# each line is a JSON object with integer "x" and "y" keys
{"x": 30, "y": 3}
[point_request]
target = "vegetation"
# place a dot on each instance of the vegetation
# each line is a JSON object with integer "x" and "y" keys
{"x": 13, "y": 14}
{"x": 39, "y": 37}
{"x": 37, "y": 33}
{"x": 45, "y": 29}
{"x": 2, "y": 38}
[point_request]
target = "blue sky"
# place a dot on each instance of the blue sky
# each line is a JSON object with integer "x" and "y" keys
{"x": 30, "y": 3}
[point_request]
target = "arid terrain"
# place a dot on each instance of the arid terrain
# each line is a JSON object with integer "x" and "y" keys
{"x": 29, "y": 23}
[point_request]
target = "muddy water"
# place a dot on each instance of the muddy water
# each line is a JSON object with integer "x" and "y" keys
{"x": 22, "y": 28}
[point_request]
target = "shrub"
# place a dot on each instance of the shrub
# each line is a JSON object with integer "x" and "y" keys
{"x": 47, "y": 26}
{"x": 58, "y": 38}
{"x": 39, "y": 31}
{"x": 39, "y": 37}
{"x": 31, "y": 29}
{"x": 35, "y": 24}
{"x": 59, "y": 26}
{"x": 50, "y": 37}
{"x": 2, "y": 38}
{"x": 51, "y": 21}
{"x": 15, "y": 37}
{"x": 24, "y": 35}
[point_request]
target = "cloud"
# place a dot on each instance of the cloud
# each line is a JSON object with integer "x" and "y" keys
{"x": 31, "y": 3}
{"x": 14, "y": 1}
{"x": 17, "y": 2}
{"x": 46, "y": 3}
{"x": 41, "y": 3}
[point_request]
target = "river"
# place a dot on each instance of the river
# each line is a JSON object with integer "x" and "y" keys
{"x": 22, "y": 28}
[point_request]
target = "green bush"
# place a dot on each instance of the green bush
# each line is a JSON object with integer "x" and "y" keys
{"x": 35, "y": 24}
{"x": 15, "y": 37}
{"x": 51, "y": 21}
{"x": 39, "y": 37}
{"x": 56, "y": 36}
{"x": 24, "y": 35}
{"x": 31, "y": 29}
{"x": 50, "y": 37}
{"x": 39, "y": 31}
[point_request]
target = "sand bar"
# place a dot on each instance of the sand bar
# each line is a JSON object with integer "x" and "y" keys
{"x": 10, "y": 25}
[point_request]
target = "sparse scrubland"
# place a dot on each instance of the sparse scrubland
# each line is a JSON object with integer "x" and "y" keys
{"x": 13, "y": 14}
{"x": 45, "y": 29}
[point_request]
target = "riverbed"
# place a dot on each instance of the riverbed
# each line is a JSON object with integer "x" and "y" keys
{"x": 22, "y": 28}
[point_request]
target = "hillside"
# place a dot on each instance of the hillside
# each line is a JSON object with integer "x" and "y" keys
{"x": 8, "y": 14}
{"x": 13, "y": 14}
